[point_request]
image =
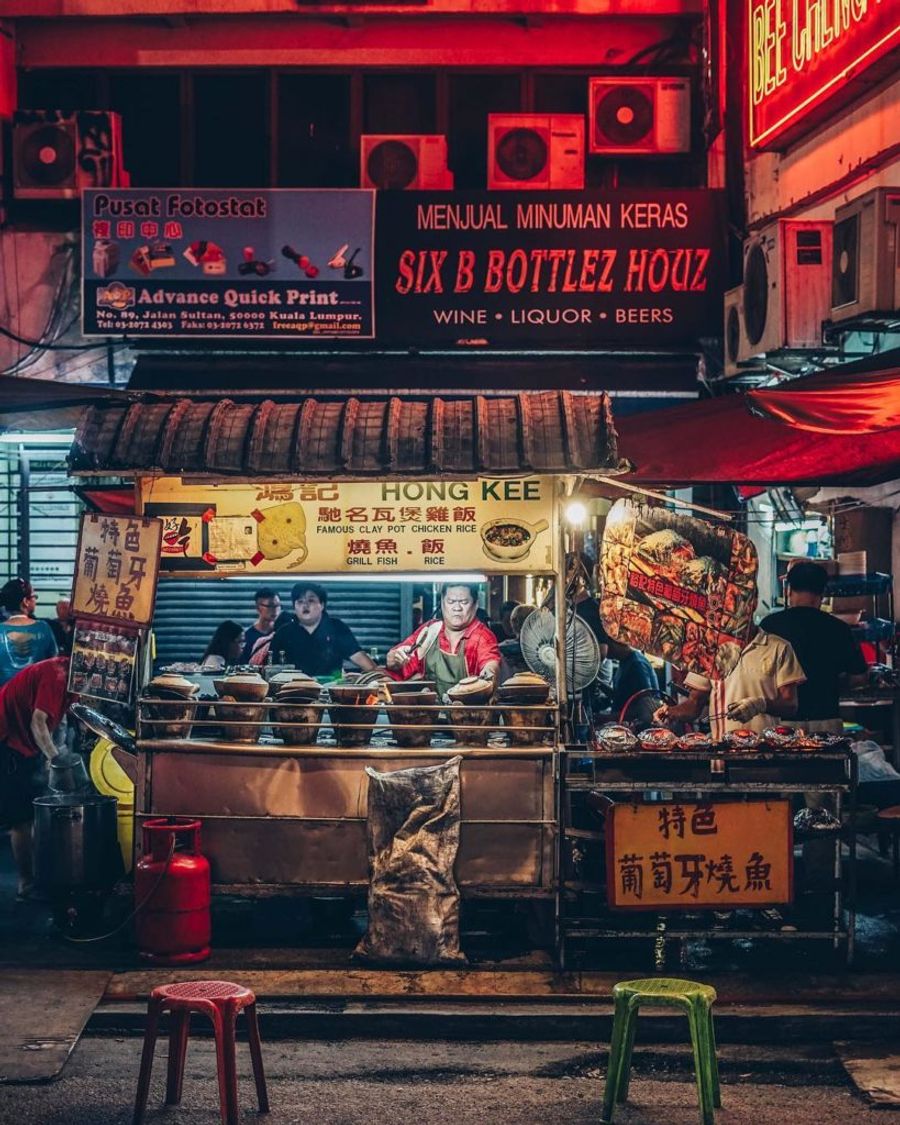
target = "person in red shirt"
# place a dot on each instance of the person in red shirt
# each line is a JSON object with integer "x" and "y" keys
{"x": 32, "y": 706}
{"x": 448, "y": 650}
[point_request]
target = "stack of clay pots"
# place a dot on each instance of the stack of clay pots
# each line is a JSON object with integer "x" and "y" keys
{"x": 295, "y": 698}
{"x": 521, "y": 693}
{"x": 467, "y": 710}
{"x": 353, "y": 711}
{"x": 173, "y": 711}
{"x": 244, "y": 688}
{"x": 410, "y": 707}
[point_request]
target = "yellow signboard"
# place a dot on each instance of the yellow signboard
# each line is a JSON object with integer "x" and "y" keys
{"x": 677, "y": 856}
{"x": 490, "y": 525}
{"x": 116, "y": 568}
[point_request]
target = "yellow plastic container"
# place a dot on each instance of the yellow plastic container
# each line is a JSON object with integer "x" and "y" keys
{"x": 112, "y": 781}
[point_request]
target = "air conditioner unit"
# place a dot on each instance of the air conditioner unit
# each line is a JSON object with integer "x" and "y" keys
{"x": 639, "y": 116}
{"x": 866, "y": 270}
{"x": 56, "y": 154}
{"x": 787, "y": 285}
{"x": 404, "y": 162}
{"x": 733, "y": 332}
{"x": 535, "y": 151}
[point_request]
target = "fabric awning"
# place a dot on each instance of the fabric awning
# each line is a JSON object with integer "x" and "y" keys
{"x": 832, "y": 403}
{"x": 48, "y": 404}
{"x": 351, "y": 436}
{"x": 831, "y": 428}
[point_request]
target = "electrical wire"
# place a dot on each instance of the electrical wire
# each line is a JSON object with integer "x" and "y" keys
{"x": 134, "y": 913}
{"x": 38, "y": 344}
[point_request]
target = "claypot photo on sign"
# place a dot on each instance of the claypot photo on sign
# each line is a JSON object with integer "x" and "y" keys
{"x": 509, "y": 539}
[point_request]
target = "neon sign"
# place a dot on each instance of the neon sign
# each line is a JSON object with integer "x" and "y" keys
{"x": 802, "y": 53}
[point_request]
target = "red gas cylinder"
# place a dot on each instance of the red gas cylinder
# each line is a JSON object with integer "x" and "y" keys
{"x": 172, "y": 893}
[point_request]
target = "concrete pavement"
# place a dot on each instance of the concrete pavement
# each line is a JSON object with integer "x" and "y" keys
{"x": 440, "y": 1083}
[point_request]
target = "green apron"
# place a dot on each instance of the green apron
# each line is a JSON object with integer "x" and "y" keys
{"x": 445, "y": 668}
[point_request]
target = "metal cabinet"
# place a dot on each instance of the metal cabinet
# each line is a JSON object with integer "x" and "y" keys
{"x": 589, "y": 779}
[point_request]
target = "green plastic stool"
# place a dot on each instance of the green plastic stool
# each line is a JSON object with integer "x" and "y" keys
{"x": 695, "y": 999}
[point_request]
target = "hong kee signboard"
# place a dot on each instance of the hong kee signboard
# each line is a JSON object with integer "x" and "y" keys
{"x": 677, "y": 856}
{"x": 334, "y": 527}
{"x": 540, "y": 268}
{"x": 512, "y": 269}
{"x": 802, "y": 53}
{"x": 284, "y": 265}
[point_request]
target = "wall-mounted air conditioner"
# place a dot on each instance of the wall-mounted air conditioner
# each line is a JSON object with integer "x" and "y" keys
{"x": 639, "y": 116}
{"x": 397, "y": 162}
{"x": 866, "y": 269}
{"x": 787, "y": 286}
{"x": 733, "y": 332}
{"x": 57, "y": 154}
{"x": 537, "y": 151}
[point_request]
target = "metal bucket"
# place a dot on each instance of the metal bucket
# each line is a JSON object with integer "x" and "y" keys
{"x": 76, "y": 845}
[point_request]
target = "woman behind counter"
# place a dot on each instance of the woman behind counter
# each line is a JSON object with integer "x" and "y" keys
{"x": 23, "y": 640}
{"x": 224, "y": 648}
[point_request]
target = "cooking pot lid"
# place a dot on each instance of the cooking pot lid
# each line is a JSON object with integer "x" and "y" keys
{"x": 103, "y": 726}
{"x": 70, "y": 800}
{"x": 471, "y": 685}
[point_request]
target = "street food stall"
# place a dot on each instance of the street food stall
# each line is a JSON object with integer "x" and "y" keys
{"x": 668, "y": 831}
{"x": 275, "y": 764}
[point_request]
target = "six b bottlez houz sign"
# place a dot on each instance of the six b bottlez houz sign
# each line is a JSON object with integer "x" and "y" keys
{"x": 520, "y": 269}
{"x": 532, "y": 269}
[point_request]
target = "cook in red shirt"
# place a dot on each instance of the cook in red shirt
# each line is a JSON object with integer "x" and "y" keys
{"x": 448, "y": 650}
{"x": 32, "y": 705}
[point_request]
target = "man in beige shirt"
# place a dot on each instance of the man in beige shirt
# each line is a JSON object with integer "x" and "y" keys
{"x": 759, "y": 692}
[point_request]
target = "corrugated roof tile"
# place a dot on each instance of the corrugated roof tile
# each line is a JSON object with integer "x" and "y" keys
{"x": 350, "y": 436}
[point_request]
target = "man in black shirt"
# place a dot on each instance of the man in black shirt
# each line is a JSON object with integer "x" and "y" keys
{"x": 315, "y": 642}
{"x": 268, "y": 607}
{"x": 824, "y": 646}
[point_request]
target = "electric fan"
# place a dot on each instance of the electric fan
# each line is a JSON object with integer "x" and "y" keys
{"x": 538, "y": 641}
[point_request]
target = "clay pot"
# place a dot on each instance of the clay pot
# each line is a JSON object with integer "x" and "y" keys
{"x": 171, "y": 711}
{"x": 245, "y": 687}
{"x": 525, "y": 727}
{"x": 304, "y": 721}
{"x": 411, "y": 723}
{"x": 239, "y": 716}
{"x": 352, "y": 715}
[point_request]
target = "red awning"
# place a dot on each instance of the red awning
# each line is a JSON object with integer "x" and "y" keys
{"x": 803, "y": 440}
{"x": 833, "y": 404}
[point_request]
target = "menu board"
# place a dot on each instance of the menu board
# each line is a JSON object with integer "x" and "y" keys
{"x": 116, "y": 568}
{"x": 683, "y": 856}
{"x": 678, "y": 587}
{"x": 103, "y": 662}
{"x": 487, "y": 525}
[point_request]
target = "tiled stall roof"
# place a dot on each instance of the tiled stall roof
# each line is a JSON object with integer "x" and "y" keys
{"x": 350, "y": 436}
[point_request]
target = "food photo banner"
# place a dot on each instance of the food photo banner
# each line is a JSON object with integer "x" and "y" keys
{"x": 533, "y": 269}
{"x": 544, "y": 268}
{"x": 374, "y": 527}
{"x": 678, "y": 587}
{"x": 684, "y": 856}
{"x": 192, "y": 262}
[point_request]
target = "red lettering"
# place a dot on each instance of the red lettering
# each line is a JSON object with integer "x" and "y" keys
{"x": 465, "y": 272}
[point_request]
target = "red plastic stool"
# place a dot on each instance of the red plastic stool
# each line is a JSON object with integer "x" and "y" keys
{"x": 221, "y": 1001}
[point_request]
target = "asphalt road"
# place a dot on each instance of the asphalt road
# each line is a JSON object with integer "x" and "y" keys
{"x": 439, "y": 1083}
